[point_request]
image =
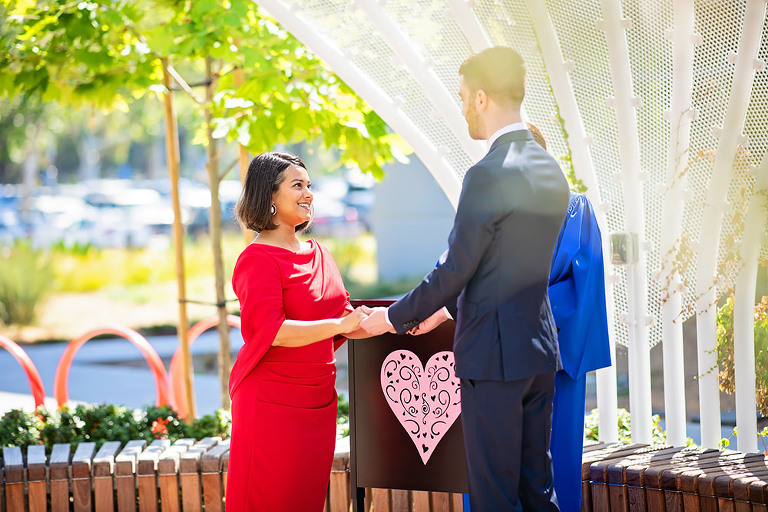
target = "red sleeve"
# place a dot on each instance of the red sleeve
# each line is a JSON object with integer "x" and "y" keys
{"x": 339, "y": 339}
{"x": 257, "y": 282}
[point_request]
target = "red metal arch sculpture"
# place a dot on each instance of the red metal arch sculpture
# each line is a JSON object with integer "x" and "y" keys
{"x": 33, "y": 376}
{"x": 61, "y": 380}
{"x": 178, "y": 393}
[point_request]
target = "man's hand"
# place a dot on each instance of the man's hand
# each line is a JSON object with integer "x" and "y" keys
{"x": 377, "y": 322}
{"x": 438, "y": 317}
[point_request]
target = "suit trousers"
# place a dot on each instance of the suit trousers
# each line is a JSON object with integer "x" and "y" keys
{"x": 506, "y": 437}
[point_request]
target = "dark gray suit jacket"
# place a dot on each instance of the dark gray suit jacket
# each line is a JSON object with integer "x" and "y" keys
{"x": 494, "y": 276}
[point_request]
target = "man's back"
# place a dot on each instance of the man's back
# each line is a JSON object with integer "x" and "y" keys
{"x": 504, "y": 325}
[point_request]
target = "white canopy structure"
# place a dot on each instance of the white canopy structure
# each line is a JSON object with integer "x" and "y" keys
{"x": 660, "y": 108}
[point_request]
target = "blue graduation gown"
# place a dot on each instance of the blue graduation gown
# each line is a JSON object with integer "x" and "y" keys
{"x": 577, "y": 297}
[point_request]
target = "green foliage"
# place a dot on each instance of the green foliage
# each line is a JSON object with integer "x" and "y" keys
{"x": 342, "y": 417}
{"x": 18, "y": 118}
{"x": 74, "y": 52}
{"x": 26, "y": 277}
{"x": 347, "y": 252}
{"x": 106, "y": 422}
{"x": 658, "y": 436}
{"x": 18, "y": 428}
{"x": 726, "y": 441}
{"x": 269, "y": 89}
{"x": 725, "y": 358}
{"x": 84, "y": 269}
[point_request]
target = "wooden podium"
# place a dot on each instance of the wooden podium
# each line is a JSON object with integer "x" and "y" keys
{"x": 382, "y": 455}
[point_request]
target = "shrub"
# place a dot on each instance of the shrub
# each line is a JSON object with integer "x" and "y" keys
{"x": 725, "y": 355}
{"x": 86, "y": 268}
{"x": 658, "y": 436}
{"x": 18, "y": 428}
{"x": 725, "y": 351}
{"x": 26, "y": 276}
{"x": 106, "y": 422}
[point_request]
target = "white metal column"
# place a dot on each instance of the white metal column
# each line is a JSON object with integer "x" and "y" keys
{"x": 445, "y": 175}
{"x": 680, "y": 116}
{"x": 625, "y": 104}
{"x": 744, "y": 312}
{"x": 579, "y": 144}
{"x": 470, "y": 26}
{"x": 712, "y": 220}
{"x": 445, "y": 103}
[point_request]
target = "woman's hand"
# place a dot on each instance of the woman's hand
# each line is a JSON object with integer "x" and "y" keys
{"x": 352, "y": 321}
{"x": 298, "y": 333}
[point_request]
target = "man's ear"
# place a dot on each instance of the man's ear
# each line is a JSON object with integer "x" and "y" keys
{"x": 481, "y": 99}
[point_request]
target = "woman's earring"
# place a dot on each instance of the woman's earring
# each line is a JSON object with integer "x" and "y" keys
{"x": 273, "y": 210}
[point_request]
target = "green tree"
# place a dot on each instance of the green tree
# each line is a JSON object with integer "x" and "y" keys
{"x": 262, "y": 88}
{"x": 107, "y": 54}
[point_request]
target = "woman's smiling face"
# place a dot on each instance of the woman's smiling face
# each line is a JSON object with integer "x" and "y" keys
{"x": 293, "y": 199}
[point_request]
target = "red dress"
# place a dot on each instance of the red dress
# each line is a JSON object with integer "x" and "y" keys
{"x": 283, "y": 398}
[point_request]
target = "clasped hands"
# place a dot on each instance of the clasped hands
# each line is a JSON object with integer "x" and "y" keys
{"x": 377, "y": 323}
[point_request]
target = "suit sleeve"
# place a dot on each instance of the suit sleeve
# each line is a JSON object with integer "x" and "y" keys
{"x": 478, "y": 211}
{"x": 257, "y": 282}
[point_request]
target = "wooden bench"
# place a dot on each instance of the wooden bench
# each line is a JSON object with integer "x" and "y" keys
{"x": 191, "y": 475}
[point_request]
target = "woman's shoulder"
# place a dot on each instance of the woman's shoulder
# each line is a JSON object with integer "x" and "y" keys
{"x": 315, "y": 246}
{"x": 255, "y": 254}
{"x": 262, "y": 253}
{"x": 319, "y": 249}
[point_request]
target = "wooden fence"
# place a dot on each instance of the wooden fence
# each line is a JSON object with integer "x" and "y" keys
{"x": 191, "y": 476}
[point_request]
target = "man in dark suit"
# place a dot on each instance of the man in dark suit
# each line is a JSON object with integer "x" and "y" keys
{"x": 493, "y": 281}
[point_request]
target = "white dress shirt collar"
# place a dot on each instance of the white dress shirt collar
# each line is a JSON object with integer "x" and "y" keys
{"x": 507, "y": 129}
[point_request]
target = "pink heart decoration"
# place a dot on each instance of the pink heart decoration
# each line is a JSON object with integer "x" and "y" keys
{"x": 426, "y": 401}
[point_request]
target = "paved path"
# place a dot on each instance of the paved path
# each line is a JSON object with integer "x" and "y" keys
{"x": 97, "y": 375}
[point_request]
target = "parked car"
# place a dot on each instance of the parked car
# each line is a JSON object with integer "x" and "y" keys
{"x": 107, "y": 229}
{"x": 360, "y": 195}
{"x": 331, "y": 216}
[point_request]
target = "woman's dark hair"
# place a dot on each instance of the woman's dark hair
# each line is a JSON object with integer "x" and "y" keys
{"x": 265, "y": 174}
{"x": 499, "y": 71}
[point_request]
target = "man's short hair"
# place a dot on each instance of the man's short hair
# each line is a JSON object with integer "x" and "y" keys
{"x": 499, "y": 71}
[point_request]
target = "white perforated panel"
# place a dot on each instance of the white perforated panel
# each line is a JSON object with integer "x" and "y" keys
{"x": 429, "y": 29}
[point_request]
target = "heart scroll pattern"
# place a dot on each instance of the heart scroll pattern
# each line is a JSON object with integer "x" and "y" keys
{"x": 425, "y": 400}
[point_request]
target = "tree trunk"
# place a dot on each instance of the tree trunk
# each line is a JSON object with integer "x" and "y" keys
{"x": 225, "y": 354}
{"x": 172, "y": 155}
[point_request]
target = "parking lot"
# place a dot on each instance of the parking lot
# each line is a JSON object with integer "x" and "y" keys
{"x": 139, "y": 213}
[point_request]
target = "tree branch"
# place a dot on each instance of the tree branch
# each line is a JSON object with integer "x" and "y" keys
{"x": 228, "y": 168}
{"x": 183, "y": 84}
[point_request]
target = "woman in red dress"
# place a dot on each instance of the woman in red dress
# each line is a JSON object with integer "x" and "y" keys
{"x": 295, "y": 312}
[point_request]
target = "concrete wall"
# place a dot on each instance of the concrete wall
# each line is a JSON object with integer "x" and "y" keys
{"x": 411, "y": 221}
